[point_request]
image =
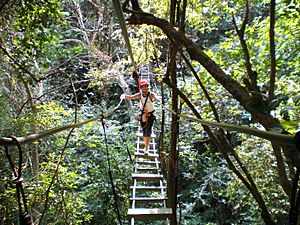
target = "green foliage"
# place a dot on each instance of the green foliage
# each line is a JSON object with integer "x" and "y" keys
{"x": 157, "y": 7}
{"x": 211, "y": 193}
{"x": 261, "y": 163}
{"x": 50, "y": 114}
{"x": 147, "y": 44}
{"x": 34, "y": 25}
{"x": 5, "y": 114}
{"x": 64, "y": 203}
{"x": 203, "y": 177}
{"x": 8, "y": 206}
{"x": 89, "y": 154}
{"x": 55, "y": 47}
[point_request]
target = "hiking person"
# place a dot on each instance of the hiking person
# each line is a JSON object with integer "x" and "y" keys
{"x": 147, "y": 116}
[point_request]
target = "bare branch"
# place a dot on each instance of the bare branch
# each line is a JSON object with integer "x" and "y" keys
{"x": 241, "y": 35}
{"x": 18, "y": 64}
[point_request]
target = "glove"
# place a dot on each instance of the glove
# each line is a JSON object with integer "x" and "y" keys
{"x": 122, "y": 96}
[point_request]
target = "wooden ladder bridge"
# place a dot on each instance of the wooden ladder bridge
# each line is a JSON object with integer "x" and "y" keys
{"x": 148, "y": 200}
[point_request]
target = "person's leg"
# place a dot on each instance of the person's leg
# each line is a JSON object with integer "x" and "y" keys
{"x": 147, "y": 133}
{"x": 146, "y": 142}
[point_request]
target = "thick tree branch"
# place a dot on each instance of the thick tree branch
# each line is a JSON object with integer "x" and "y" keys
{"x": 172, "y": 12}
{"x": 173, "y": 153}
{"x": 240, "y": 93}
{"x": 183, "y": 15}
{"x": 4, "y": 141}
{"x": 268, "y": 135}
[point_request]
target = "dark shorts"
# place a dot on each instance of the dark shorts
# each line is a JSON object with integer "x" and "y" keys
{"x": 147, "y": 126}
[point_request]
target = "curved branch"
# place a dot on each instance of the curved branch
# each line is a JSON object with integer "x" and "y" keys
{"x": 231, "y": 85}
{"x": 18, "y": 64}
{"x": 240, "y": 93}
{"x": 252, "y": 85}
{"x": 4, "y": 141}
{"x": 282, "y": 172}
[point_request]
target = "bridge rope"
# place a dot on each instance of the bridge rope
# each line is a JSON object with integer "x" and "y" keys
{"x": 110, "y": 174}
{"x": 120, "y": 15}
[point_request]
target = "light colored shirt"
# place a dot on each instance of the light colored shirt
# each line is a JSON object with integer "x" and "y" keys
{"x": 149, "y": 104}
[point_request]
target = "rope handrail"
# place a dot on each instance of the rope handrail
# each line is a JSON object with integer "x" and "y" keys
{"x": 268, "y": 135}
{"x": 110, "y": 173}
{"x": 6, "y": 141}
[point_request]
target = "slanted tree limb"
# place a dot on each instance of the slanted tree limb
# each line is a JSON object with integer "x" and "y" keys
{"x": 16, "y": 63}
{"x": 5, "y": 141}
{"x": 251, "y": 80}
{"x": 282, "y": 172}
{"x": 241, "y": 35}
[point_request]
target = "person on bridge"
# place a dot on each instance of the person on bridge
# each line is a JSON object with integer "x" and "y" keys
{"x": 147, "y": 116}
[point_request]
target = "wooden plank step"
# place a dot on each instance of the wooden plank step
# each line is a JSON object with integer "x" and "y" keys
{"x": 145, "y": 169}
{"x": 150, "y": 152}
{"x": 140, "y": 134}
{"x": 148, "y": 188}
{"x": 152, "y": 163}
{"x": 146, "y": 176}
{"x": 149, "y": 155}
{"x": 149, "y": 199}
{"x": 142, "y": 142}
{"x": 144, "y": 213}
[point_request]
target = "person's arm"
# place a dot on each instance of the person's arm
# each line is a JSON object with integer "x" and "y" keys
{"x": 135, "y": 96}
{"x": 155, "y": 97}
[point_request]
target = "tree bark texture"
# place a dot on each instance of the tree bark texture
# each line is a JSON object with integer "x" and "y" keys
{"x": 172, "y": 170}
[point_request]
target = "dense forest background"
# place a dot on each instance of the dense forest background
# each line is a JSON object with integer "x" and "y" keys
{"x": 64, "y": 65}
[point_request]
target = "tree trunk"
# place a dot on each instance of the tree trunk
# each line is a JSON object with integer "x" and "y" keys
{"x": 172, "y": 170}
{"x": 34, "y": 128}
{"x": 34, "y": 145}
{"x": 162, "y": 152}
